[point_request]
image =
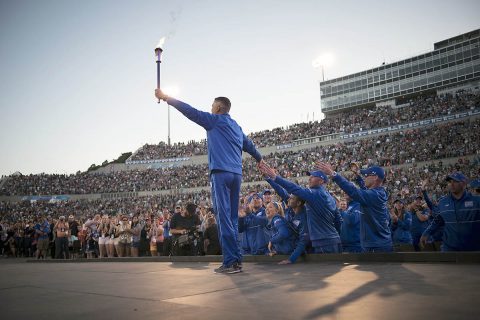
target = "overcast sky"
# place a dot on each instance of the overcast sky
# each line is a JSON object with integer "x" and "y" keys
{"x": 77, "y": 77}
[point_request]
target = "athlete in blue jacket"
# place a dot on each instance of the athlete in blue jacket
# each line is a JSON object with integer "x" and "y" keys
{"x": 350, "y": 230}
{"x": 420, "y": 222}
{"x": 459, "y": 212}
{"x": 226, "y": 141}
{"x": 321, "y": 209}
{"x": 296, "y": 216}
{"x": 282, "y": 239}
{"x": 401, "y": 223}
{"x": 375, "y": 223}
{"x": 253, "y": 227}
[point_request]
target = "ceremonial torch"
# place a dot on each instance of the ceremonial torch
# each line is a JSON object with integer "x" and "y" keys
{"x": 158, "y": 55}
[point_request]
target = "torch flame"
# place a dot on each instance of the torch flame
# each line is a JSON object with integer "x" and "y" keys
{"x": 325, "y": 60}
{"x": 161, "y": 42}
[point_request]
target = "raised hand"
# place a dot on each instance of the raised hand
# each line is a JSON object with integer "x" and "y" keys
{"x": 160, "y": 95}
{"x": 266, "y": 170}
{"x": 424, "y": 185}
{"x": 355, "y": 168}
{"x": 324, "y": 167}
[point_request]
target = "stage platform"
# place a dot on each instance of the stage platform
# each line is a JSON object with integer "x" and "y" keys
{"x": 369, "y": 286}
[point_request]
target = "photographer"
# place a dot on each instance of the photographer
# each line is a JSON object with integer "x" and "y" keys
{"x": 183, "y": 222}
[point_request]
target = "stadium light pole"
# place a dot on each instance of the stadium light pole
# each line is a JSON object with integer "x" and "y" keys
{"x": 171, "y": 91}
{"x": 322, "y": 61}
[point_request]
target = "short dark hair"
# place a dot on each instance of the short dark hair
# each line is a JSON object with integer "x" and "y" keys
{"x": 191, "y": 207}
{"x": 225, "y": 102}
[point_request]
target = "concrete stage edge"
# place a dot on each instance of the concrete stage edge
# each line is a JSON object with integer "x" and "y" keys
{"x": 368, "y": 286}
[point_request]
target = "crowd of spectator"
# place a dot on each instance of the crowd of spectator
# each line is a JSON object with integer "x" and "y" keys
{"x": 346, "y": 122}
{"x": 18, "y": 220}
{"x": 164, "y": 151}
{"x": 455, "y": 139}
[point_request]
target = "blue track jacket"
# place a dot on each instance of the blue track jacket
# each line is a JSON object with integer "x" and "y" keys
{"x": 321, "y": 209}
{"x": 296, "y": 220}
{"x": 282, "y": 236}
{"x": 461, "y": 219}
{"x": 350, "y": 231}
{"x": 375, "y": 222}
{"x": 401, "y": 229}
{"x": 224, "y": 136}
{"x": 253, "y": 237}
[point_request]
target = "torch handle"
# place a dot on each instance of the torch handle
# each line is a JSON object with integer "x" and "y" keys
{"x": 158, "y": 77}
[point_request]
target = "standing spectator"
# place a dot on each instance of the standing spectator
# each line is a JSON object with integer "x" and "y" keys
{"x": 459, "y": 212}
{"x": 110, "y": 243}
{"x": 226, "y": 141}
{"x": 123, "y": 232}
{"x": 29, "y": 236}
{"x": 103, "y": 230}
{"x": 167, "y": 237}
{"x": 136, "y": 230}
{"x": 372, "y": 196}
{"x": 210, "y": 238}
{"x": 42, "y": 229}
{"x": 73, "y": 225}
{"x": 61, "y": 238}
{"x": 93, "y": 236}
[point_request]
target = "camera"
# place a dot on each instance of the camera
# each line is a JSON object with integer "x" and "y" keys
{"x": 188, "y": 244}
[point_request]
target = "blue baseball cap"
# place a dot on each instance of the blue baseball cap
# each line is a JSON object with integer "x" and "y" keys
{"x": 456, "y": 176}
{"x": 255, "y": 195}
{"x": 374, "y": 170}
{"x": 475, "y": 184}
{"x": 267, "y": 191}
{"x": 318, "y": 174}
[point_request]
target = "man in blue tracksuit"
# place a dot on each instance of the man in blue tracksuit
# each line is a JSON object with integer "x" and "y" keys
{"x": 226, "y": 141}
{"x": 459, "y": 212}
{"x": 321, "y": 209}
{"x": 372, "y": 196}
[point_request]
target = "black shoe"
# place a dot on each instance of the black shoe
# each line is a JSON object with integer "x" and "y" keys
{"x": 234, "y": 268}
{"x": 221, "y": 269}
